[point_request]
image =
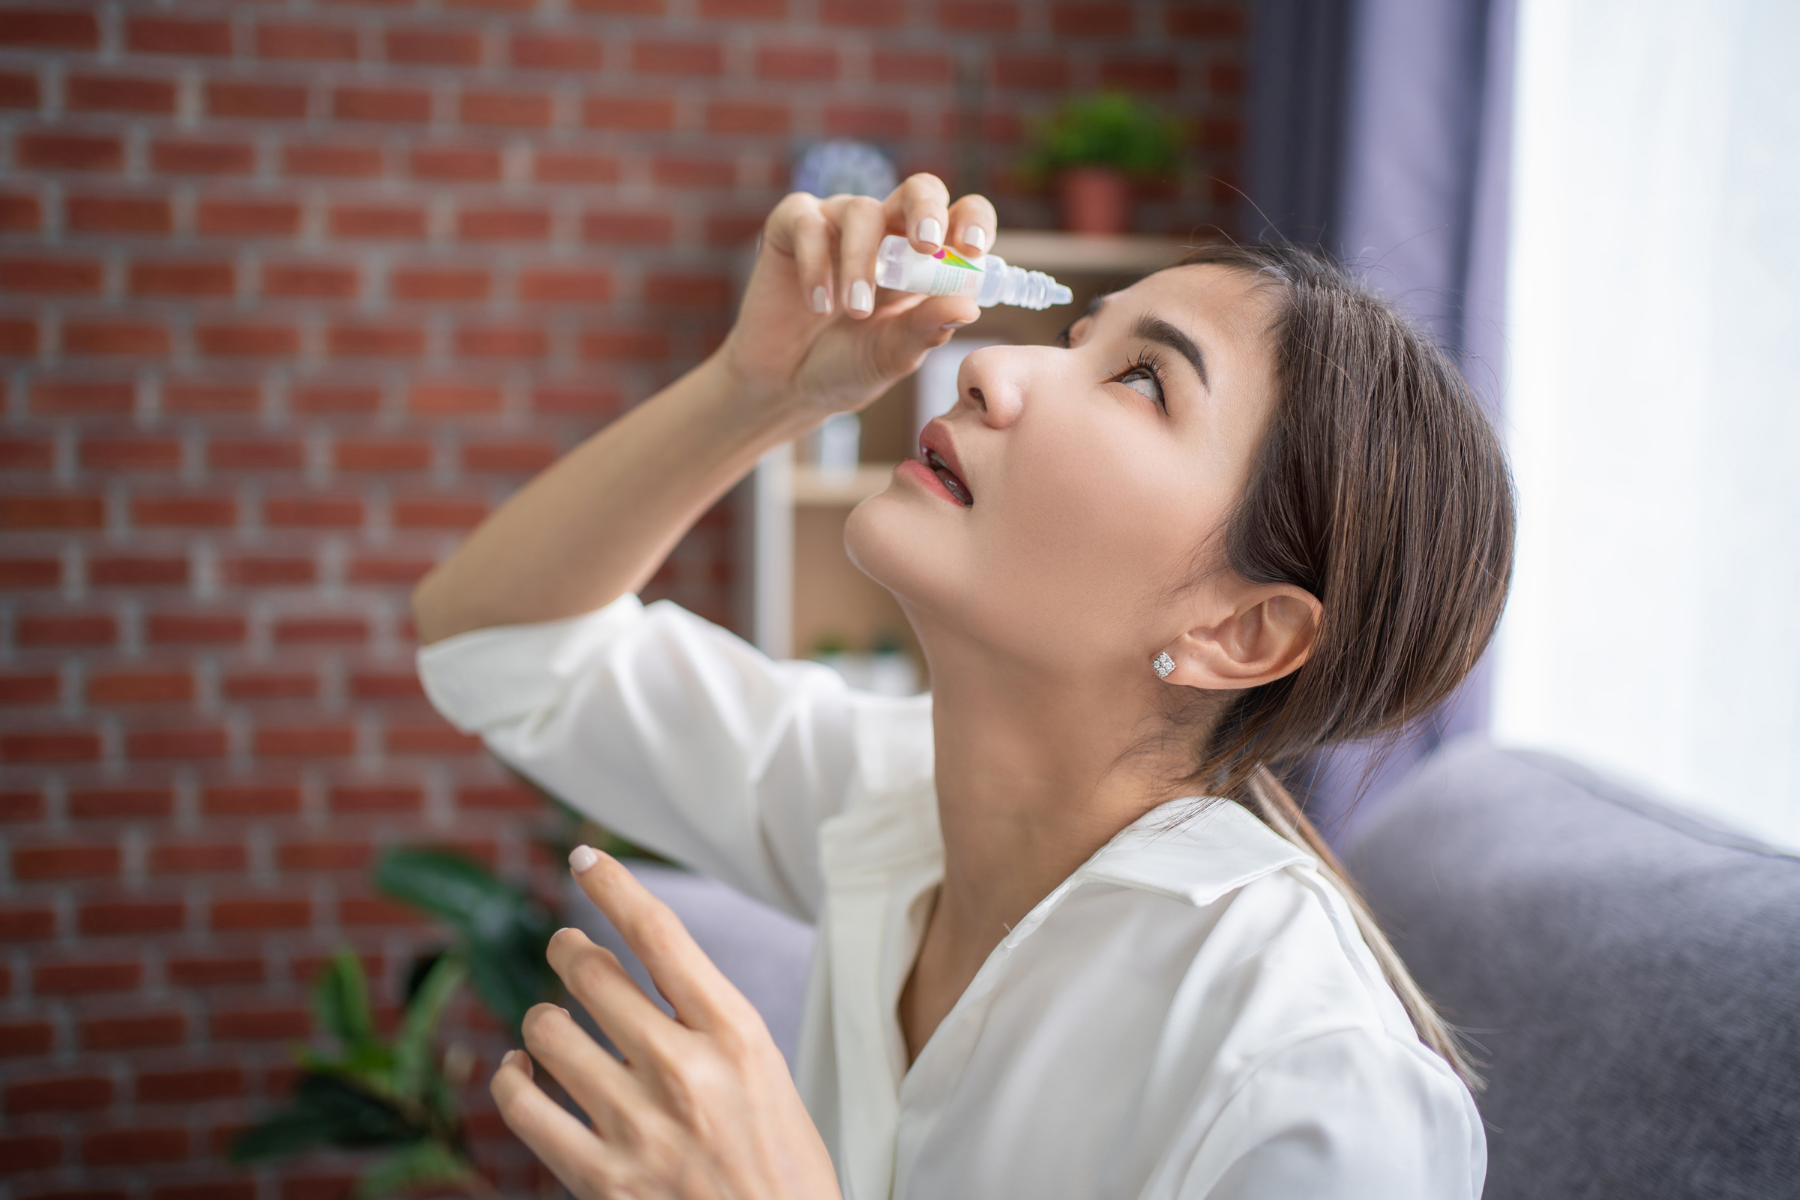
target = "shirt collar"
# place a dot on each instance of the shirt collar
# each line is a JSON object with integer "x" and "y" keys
{"x": 1195, "y": 849}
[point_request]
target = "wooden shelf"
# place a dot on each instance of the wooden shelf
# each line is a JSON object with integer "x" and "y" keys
{"x": 839, "y": 489}
{"x": 1087, "y": 253}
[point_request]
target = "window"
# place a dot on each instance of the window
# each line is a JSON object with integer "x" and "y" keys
{"x": 1654, "y": 400}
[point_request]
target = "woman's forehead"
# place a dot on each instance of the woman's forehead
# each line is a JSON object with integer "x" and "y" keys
{"x": 1209, "y": 302}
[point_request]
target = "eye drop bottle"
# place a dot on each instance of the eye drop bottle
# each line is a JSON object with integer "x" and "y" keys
{"x": 985, "y": 278}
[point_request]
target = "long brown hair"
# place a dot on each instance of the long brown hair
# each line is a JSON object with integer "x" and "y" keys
{"x": 1380, "y": 488}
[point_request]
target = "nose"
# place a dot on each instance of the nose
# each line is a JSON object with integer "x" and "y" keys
{"x": 992, "y": 381}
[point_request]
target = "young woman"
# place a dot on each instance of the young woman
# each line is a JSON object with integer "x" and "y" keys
{"x": 1074, "y": 939}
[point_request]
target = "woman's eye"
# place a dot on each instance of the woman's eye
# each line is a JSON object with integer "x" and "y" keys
{"x": 1139, "y": 379}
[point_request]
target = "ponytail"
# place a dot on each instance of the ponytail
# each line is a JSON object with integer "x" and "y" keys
{"x": 1276, "y": 807}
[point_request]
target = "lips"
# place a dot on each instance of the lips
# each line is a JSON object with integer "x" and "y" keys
{"x": 938, "y": 453}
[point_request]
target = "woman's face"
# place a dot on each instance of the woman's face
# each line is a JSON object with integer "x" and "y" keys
{"x": 1095, "y": 471}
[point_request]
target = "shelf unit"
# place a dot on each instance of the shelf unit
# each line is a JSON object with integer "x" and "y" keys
{"x": 802, "y": 584}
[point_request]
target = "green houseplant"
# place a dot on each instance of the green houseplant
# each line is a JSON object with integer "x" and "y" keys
{"x": 372, "y": 1093}
{"x": 400, "y": 1094}
{"x": 1092, "y": 148}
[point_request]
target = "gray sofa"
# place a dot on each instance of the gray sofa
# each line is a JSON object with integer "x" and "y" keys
{"x": 1630, "y": 975}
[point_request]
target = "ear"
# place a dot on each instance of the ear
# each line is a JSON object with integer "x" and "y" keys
{"x": 1269, "y": 634}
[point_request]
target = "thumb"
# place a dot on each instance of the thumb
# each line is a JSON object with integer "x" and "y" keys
{"x": 938, "y": 311}
{"x": 925, "y": 326}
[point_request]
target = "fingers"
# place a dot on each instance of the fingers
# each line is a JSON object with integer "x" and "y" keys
{"x": 920, "y": 207}
{"x": 600, "y": 982}
{"x": 812, "y": 258}
{"x": 701, "y": 996}
{"x": 862, "y": 223}
{"x": 798, "y": 229}
{"x": 602, "y": 1085}
{"x": 973, "y": 224}
{"x": 584, "y": 1164}
{"x": 833, "y": 242}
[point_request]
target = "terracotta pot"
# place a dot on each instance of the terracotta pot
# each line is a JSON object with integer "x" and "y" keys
{"x": 1095, "y": 200}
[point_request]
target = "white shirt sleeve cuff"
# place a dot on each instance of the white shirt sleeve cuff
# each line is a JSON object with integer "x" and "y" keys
{"x": 491, "y": 677}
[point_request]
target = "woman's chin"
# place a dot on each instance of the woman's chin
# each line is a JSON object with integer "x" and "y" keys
{"x": 891, "y": 541}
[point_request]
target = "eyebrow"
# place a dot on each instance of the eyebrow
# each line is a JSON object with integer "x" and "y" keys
{"x": 1155, "y": 329}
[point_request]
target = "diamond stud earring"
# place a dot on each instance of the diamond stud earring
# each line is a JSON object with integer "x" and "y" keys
{"x": 1163, "y": 665}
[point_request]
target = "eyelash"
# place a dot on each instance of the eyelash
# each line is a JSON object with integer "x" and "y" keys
{"x": 1146, "y": 361}
{"x": 1150, "y": 364}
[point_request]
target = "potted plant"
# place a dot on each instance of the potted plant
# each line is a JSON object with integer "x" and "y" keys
{"x": 399, "y": 1095}
{"x": 1093, "y": 148}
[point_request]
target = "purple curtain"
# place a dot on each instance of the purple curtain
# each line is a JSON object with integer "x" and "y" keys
{"x": 1380, "y": 129}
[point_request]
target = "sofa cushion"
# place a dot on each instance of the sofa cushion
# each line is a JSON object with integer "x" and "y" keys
{"x": 1629, "y": 975}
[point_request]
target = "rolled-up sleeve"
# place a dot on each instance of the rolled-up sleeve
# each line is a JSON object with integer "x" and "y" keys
{"x": 667, "y": 729}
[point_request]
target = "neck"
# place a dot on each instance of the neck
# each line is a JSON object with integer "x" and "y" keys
{"x": 1037, "y": 768}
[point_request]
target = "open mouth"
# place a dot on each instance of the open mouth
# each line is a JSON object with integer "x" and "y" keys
{"x": 955, "y": 486}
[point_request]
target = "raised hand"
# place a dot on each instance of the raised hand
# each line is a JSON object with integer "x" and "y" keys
{"x": 701, "y": 1106}
{"x": 814, "y": 327}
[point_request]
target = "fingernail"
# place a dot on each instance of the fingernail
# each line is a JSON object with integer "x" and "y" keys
{"x": 821, "y": 299}
{"x": 952, "y": 324}
{"x": 581, "y": 858}
{"x": 861, "y": 298}
{"x": 976, "y": 236}
{"x": 506, "y": 1059}
{"x": 930, "y": 231}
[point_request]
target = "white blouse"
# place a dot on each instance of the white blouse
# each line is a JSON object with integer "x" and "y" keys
{"x": 1191, "y": 1014}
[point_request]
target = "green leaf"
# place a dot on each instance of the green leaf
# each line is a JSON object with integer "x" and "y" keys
{"x": 421, "y": 1162}
{"x": 505, "y": 931}
{"x": 326, "y": 1109}
{"x": 412, "y": 1049}
{"x": 341, "y": 999}
{"x": 509, "y": 978}
{"x": 369, "y": 1067}
{"x": 421, "y": 967}
{"x": 1108, "y": 129}
{"x": 287, "y": 1132}
{"x": 448, "y": 886}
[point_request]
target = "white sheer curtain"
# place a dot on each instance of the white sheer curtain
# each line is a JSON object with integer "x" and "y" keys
{"x": 1654, "y": 399}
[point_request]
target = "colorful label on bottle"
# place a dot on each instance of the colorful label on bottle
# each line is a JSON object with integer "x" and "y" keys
{"x": 953, "y": 275}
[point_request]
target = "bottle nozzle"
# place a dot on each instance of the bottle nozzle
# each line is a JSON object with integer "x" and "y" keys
{"x": 1022, "y": 288}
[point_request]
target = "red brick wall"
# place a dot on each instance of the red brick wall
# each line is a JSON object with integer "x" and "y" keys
{"x": 290, "y": 295}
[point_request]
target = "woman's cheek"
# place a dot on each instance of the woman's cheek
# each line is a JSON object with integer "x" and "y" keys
{"x": 1095, "y": 519}
{"x": 1065, "y": 558}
